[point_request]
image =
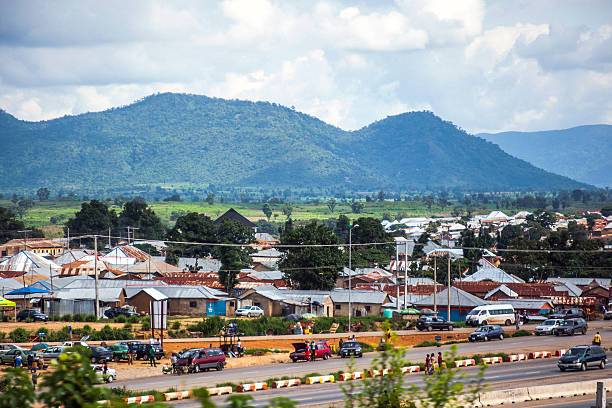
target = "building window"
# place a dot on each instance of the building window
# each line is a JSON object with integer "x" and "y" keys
{"x": 367, "y": 308}
{"x": 193, "y": 303}
{"x": 338, "y": 307}
{"x": 231, "y": 304}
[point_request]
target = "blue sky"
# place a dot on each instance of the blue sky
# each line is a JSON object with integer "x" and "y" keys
{"x": 486, "y": 66}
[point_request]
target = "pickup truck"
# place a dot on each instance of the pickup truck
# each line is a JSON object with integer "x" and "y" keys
{"x": 572, "y": 313}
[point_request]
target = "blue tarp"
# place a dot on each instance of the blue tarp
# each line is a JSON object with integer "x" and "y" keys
{"x": 28, "y": 290}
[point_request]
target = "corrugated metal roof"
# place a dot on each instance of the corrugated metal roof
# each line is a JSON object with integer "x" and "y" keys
{"x": 9, "y": 284}
{"x": 487, "y": 272}
{"x": 526, "y": 303}
{"x": 359, "y": 296}
{"x": 180, "y": 292}
{"x": 582, "y": 281}
{"x": 502, "y": 288}
{"x": 70, "y": 256}
{"x": 572, "y": 290}
{"x": 267, "y": 275}
{"x": 458, "y": 298}
{"x": 27, "y": 261}
{"x": 154, "y": 293}
{"x": 208, "y": 265}
{"x": 104, "y": 294}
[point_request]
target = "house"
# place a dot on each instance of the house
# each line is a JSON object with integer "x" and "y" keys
{"x": 488, "y": 272}
{"x": 36, "y": 245}
{"x": 263, "y": 240}
{"x": 461, "y": 303}
{"x": 281, "y": 302}
{"x": 530, "y": 306}
{"x": 495, "y": 217}
{"x": 199, "y": 264}
{"x": 71, "y": 256}
{"x": 27, "y": 261}
{"x": 182, "y": 299}
{"x": 234, "y": 215}
{"x": 363, "y": 302}
{"x": 126, "y": 255}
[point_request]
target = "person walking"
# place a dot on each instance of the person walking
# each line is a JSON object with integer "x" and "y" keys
{"x": 440, "y": 359}
{"x": 34, "y": 378}
{"x": 130, "y": 357}
{"x": 152, "y": 357}
{"x": 18, "y": 360}
{"x": 30, "y": 361}
{"x": 173, "y": 361}
{"x": 517, "y": 320}
{"x": 597, "y": 339}
{"x": 307, "y": 351}
{"x": 427, "y": 363}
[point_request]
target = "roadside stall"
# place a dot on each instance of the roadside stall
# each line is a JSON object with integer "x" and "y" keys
{"x": 4, "y": 303}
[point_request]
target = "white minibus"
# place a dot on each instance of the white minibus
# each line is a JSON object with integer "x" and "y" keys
{"x": 491, "y": 314}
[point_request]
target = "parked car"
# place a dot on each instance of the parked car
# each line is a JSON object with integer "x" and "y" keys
{"x": 572, "y": 313}
{"x": 53, "y": 352}
{"x": 4, "y": 347}
{"x": 117, "y": 311}
{"x": 100, "y": 354}
{"x": 583, "y": 357}
{"x": 321, "y": 351}
{"x": 9, "y": 356}
{"x": 205, "y": 359}
{"x": 186, "y": 357}
{"x": 142, "y": 352}
{"x": 132, "y": 345}
{"x": 571, "y": 327}
{"x": 35, "y": 315}
{"x": 250, "y": 311}
{"x": 111, "y": 373}
{"x": 608, "y": 314}
{"x": 486, "y": 333}
{"x": 547, "y": 327}
{"x": 350, "y": 348}
{"x": 120, "y": 352}
{"x": 430, "y": 323}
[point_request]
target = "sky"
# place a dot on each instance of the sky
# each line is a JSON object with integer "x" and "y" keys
{"x": 487, "y": 66}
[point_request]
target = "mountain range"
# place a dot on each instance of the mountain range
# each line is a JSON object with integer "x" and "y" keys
{"x": 582, "y": 153}
{"x": 193, "y": 140}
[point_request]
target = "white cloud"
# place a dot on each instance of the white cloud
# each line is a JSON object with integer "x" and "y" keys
{"x": 486, "y": 66}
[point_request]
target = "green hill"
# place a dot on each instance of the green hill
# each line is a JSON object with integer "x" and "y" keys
{"x": 192, "y": 140}
{"x": 582, "y": 152}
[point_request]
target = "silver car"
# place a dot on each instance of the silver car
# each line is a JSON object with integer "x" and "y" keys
{"x": 52, "y": 352}
{"x": 547, "y": 327}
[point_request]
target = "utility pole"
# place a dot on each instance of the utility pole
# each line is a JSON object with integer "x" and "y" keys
{"x": 448, "y": 290}
{"x": 351, "y": 226}
{"x": 96, "y": 276}
{"x": 397, "y": 261}
{"x": 405, "y": 274}
{"x": 435, "y": 283}
{"x": 25, "y": 245}
{"x": 68, "y": 239}
{"x": 109, "y": 239}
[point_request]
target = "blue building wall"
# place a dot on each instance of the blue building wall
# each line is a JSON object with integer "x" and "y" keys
{"x": 456, "y": 315}
{"x": 215, "y": 308}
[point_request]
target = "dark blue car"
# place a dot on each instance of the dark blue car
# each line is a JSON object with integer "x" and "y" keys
{"x": 487, "y": 332}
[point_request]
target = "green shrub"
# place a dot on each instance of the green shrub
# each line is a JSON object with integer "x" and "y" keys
{"x": 67, "y": 318}
{"x": 209, "y": 326}
{"x": 78, "y": 317}
{"x": 19, "y": 335}
{"x": 427, "y": 343}
{"x": 146, "y": 325}
{"x": 121, "y": 319}
{"x": 28, "y": 320}
{"x": 127, "y": 326}
{"x": 2, "y": 335}
{"x": 134, "y": 319}
{"x": 90, "y": 318}
{"x": 521, "y": 333}
{"x": 176, "y": 325}
{"x": 365, "y": 347}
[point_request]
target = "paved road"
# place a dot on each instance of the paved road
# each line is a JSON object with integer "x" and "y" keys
{"x": 503, "y": 376}
{"x": 263, "y": 372}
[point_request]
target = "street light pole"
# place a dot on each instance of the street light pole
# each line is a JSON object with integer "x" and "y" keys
{"x": 350, "y": 311}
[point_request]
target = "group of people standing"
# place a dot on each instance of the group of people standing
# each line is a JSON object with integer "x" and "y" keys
{"x": 430, "y": 361}
{"x": 311, "y": 350}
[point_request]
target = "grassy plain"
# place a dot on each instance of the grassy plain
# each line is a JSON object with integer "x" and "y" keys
{"x": 49, "y": 213}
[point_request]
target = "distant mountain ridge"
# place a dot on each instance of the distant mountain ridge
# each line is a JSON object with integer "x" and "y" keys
{"x": 583, "y": 153}
{"x": 195, "y": 140}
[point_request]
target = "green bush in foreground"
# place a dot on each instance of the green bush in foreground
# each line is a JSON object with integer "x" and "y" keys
{"x": 521, "y": 333}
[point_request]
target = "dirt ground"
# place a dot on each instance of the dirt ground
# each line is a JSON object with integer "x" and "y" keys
{"x": 142, "y": 369}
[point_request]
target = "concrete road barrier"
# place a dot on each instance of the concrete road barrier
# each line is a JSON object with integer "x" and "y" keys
{"x": 504, "y": 397}
{"x": 465, "y": 363}
{"x": 320, "y": 379}
{"x": 351, "y": 376}
{"x": 220, "y": 390}
{"x": 377, "y": 373}
{"x": 539, "y": 354}
{"x": 252, "y": 387}
{"x": 491, "y": 360}
{"x": 178, "y": 395}
{"x": 140, "y": 399}
{"x": 294, "y": 382}
{"x": 410, "y": 369}
{"x": 560, "y": 352}
{"x": 516, "y": 357}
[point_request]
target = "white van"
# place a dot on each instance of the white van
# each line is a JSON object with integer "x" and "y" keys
{"x": 491, "y": 314}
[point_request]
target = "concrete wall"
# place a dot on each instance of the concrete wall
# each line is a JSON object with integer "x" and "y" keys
{"x": 358, "y": 309}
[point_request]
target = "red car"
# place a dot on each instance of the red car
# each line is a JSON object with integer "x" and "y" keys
{"x": 197, "y": 360}
{"x": 321, "y": 351}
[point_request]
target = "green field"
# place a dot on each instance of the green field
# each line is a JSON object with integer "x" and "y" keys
{"x": 49, "y": 213}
